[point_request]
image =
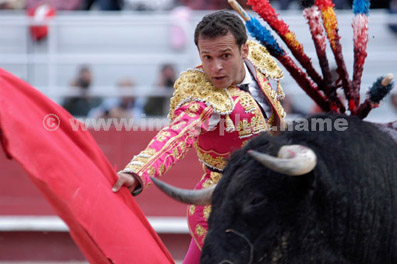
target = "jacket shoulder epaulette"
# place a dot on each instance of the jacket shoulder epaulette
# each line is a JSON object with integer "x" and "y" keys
{"x": 263, "y": 61}
{"x": 193, "y": 85}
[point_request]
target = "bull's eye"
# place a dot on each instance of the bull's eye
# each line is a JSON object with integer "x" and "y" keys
{"x": 257, "y": 200}
{"x": 254, "y": 202}
{"x": 254, "y": 206}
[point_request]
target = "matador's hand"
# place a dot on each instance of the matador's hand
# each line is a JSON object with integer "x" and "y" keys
{"x": 125, "y": 179}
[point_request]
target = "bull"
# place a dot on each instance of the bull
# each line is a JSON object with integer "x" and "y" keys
{"x": 305, "y": 197}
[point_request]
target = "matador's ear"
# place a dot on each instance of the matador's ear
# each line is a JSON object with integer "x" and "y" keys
{"x": 244, "y": 50}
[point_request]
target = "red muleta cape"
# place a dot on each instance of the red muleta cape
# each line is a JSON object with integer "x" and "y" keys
{"x": 75, "y": 177}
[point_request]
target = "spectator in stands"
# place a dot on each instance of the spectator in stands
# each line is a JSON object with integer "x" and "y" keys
{"x": 124, "y": 106}
{"x": 149, "y": 5}
{"x": 339, "y": 4}
{"x": 12, "y": 4}
{"x": 105, "y": 5}
{"x": 217, "y": 5}
{"x": 167, "y": 76}
{"x": 342, "y": 4}
{"x": 157, "y": 106}
{"x": 81, "y": 104}
{"x": 347, "y": 4}
{"x": 58, "y": 5}
{"x": 393, "y": 11}
{"x": 195, "y": 4}
{"x": 180, "y": 18}
{"x": 383, "y": 4}
{"x": 284, "y": 4}
{"x": 210, "y": 4}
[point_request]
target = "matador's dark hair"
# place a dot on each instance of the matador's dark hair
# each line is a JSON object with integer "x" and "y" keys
{"x": 219, "y": 24}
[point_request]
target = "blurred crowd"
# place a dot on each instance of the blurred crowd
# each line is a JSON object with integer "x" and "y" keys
{"x": 125, "y": 105}
{"x": 114, "y": 5}
{"x": 164, "y": 4}
{"x": 80, "y": 103}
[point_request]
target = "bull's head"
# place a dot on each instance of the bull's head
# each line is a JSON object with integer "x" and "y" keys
{"x": 250, "y": 202}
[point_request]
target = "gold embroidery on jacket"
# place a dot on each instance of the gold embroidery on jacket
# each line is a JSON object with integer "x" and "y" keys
{"x": 244, "y": 143}
{"x": 175, "y": 152}
{"x": 200, "y": 230}
{"x": 208, "y": 183}
{"x": 216, "y": 160}
{"x": 258, "y": 123}
{"x": 151, "y": 171}
{"x": 178, "y": 125}
{"x": 272, "y": 96}
{"x": 245, "y": 100}
{"x": 149, "y": 151}
{"x": 163, "y": 135}
{"x": 139, "y": 160}
{"x": 243, "y": 128}
{"x": 132, "y": 168}
{"x": 192, "y": 110}
{"x": 192, "y": 209}
{"x": 161, "y": 169}
{"x": 248, "y": 103}
{"x": 193, "y": 85}
{"x": 263, "y": 61}
{"x": 215, "y": 176}
{"x": 213, "y": 179}
{"x": 206, "y": 212}
{"x": 255, "y": 125}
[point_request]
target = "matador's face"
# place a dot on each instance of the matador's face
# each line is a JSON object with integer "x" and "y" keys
{"x": 222, "y": 60}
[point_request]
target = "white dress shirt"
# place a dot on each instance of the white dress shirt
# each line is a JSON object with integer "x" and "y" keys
{"x": 255, "y": 91}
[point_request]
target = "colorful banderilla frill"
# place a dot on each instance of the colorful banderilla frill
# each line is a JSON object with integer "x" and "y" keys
{"x": 360, "y": 40}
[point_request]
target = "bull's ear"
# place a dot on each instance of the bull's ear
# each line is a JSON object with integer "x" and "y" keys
{"x": 293, "y": 160}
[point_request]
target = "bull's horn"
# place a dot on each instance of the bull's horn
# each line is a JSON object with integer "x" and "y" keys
{"x": 293, "y": 160}
{"x": 196, "y": 197}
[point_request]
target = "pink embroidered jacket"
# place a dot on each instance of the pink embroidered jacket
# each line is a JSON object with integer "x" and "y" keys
{"x": 216, "y": 122}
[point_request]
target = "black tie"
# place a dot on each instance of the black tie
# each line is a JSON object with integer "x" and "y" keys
{"x": 244, "y": 87}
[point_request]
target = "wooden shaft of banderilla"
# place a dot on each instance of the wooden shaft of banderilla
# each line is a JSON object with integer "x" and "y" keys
{"x": 237, "y": 7}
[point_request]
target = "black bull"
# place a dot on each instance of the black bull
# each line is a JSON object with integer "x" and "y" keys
{"x": 342, "y": 211}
